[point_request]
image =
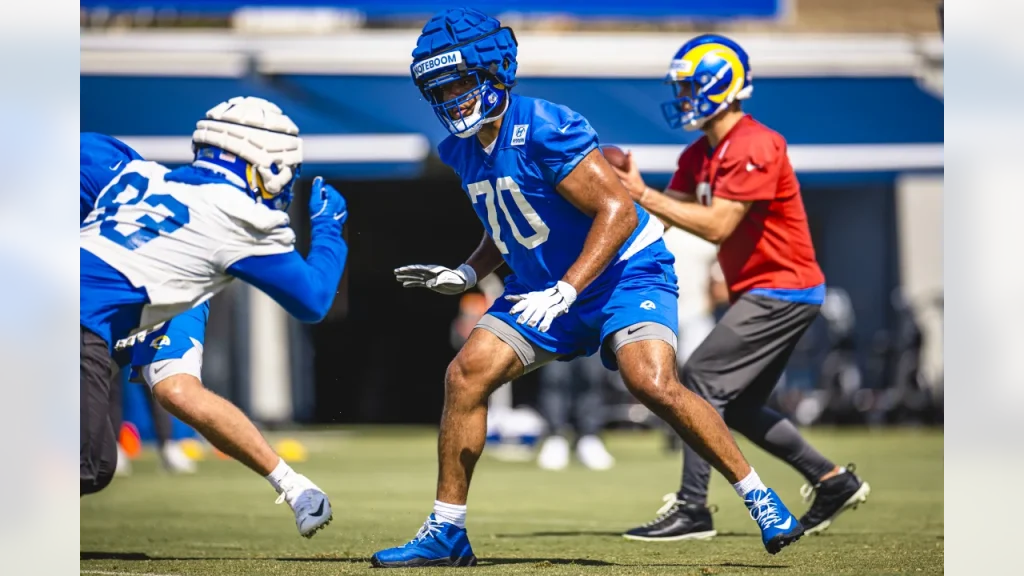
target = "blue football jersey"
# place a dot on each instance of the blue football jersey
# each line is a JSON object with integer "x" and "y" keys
{"x": 102, "y": 159}
{"x": 513, "y": 190}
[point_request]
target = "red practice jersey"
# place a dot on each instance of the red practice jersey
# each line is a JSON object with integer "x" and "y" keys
{"x": 771, "y": 246}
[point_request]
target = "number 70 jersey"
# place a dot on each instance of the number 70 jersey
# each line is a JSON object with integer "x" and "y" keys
{"x": 513, "y": 190}
{"x": 175, "y": 233}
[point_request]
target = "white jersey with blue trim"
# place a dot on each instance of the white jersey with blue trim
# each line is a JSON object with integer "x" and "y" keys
{"x": 513, "y": 188}
{"x": 176, "y": 237}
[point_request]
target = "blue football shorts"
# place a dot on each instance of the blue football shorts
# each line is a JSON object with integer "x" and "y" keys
{"x": 635, "y": 299}
{"x": 174, "y": 348}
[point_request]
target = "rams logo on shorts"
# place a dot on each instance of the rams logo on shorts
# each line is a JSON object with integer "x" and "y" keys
{"x": 161, "y": 341}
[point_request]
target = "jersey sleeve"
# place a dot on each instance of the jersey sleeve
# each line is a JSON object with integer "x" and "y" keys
{"x": 249, "y": 228}
{"x": 102, "y": 158}
{"x": 683, "y": 178}
{"x": 560, "y": 140}
{"x": 446, "y": 151}
{"x": 305, "y": 288}
{"x": 750, "y": 170}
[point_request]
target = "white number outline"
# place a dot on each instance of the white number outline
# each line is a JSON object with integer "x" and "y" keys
{"x": 485, "y": 189}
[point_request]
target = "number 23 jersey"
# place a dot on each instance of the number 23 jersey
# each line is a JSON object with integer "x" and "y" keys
{"x": 175, "y": 237}
{"x": 513, "y": 190}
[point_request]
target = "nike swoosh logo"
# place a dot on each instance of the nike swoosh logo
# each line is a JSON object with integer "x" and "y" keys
{"x": 116, "y": 166}
{"x": 564, "y": 128}
{"x": 783, "y": 526}
{"x": 632, "y": 330}
{"x": 320, "y": 511}
{"x": 751, "y": 166}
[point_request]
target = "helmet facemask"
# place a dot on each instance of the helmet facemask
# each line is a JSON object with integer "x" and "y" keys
{"x": 281, "y": 178}
{"x": 485, "y": 93}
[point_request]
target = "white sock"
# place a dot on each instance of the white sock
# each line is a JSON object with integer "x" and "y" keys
{"x": 749, "y": 484}
{"x": 450, "y": 513}
{"x": 279, "y": 474}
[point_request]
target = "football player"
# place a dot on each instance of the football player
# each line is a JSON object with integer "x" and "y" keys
{"x": 159, "y": 243}
{"x": 591, "y": 274}
{"x": 735, "y": 187}
{"x": 102, "y": 158}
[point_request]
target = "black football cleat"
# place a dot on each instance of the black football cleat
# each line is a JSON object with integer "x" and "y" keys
{"x": 832, "y": 497}
{"x": 677, "y": 520}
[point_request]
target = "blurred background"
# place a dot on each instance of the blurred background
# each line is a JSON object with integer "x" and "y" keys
{"x": 856, "y": 88}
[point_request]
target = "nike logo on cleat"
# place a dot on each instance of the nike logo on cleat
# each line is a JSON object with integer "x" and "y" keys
{"x": 320, "y": 511}
{"x": 785, "y": 525}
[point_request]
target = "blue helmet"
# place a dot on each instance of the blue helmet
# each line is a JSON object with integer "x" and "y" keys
{"x": 468, "y": 46}
{"x": 707, "y": 74}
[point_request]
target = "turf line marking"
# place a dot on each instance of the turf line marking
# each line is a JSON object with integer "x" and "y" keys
{"x": 123, "y": 573}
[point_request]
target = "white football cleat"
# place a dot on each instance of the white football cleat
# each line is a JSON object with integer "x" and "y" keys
{"x": 592, "y": 453}
{"x": 310, "y": 504}
{"x": 175, "y": 460}
{"x": 554, "y": 454}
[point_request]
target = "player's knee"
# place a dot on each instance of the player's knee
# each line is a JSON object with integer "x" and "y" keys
{"x": 738, "y": 417}
{"x": 748, "y": 418}
{"x": 98, "y": 472}
{"x": 460, "y": 385}
{"x": 177, "y": 393}
{"x": 106, "y": 478}
{"x": 94, "y": 485}
{"x": 653, "y": 386}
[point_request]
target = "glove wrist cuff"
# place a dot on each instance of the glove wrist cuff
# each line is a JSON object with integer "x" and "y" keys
{"x": 567, "y": 291}
{"x": 469, "y": 274}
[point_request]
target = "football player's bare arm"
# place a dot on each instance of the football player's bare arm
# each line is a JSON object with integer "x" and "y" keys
{"x": 594, "y": 189}
{"x": 678, "y": 195}
{"x": 638, "y": 189}
{"x": 486, "y": 258}
{"x": 713, "y": 223}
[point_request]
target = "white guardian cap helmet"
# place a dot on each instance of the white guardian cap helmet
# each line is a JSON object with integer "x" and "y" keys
{"x": 258, "y": 132}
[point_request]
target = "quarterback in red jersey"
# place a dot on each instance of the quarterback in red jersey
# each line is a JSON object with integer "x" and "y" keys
{"x": 770, "y": 245}
{"x": 735, "y": 187}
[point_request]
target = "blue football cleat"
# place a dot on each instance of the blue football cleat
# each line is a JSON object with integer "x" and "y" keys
{"x": 436, "y": 544}
{"x": 779, "y": 528}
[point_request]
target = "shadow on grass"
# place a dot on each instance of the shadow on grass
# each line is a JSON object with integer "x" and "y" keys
{"x": 538, "y": 562}
{"x": 140, "y": 556}
{"x": 570, "y": 533}
{"x": 551, "y": 534}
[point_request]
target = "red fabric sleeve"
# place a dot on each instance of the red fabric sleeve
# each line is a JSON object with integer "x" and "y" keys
{"x": 684, "y": 176}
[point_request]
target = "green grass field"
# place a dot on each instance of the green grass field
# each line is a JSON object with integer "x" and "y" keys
{"x": 223, "y": 521}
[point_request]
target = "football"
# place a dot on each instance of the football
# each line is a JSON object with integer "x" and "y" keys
{"x": 615, "y": 156}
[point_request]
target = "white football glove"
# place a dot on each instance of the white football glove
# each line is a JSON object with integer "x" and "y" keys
{"x": 437, "y": 278}
{"x": 543, "y": 306}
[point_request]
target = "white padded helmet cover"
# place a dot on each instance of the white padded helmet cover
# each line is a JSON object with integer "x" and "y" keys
{"x": 257, "y": 131}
